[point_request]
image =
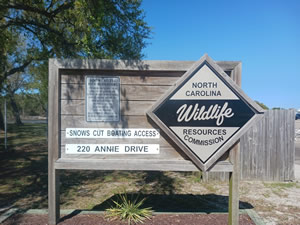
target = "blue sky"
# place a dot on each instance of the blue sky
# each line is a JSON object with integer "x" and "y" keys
{"x": 264, "y": 35}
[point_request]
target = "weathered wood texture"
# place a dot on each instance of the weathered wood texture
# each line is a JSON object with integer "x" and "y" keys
{"x": 142, "y": 83}
{"x": 267, "y": 149}
{"x": 53, "y": 144}
{"x": 271, "y": 138}
{"x": 234, "y": 183}
{"x": 141, "y": 164}
{"x": 138, "y": 92}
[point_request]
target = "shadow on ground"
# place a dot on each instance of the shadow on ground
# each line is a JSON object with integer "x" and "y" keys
{"x": 208, "y": 203}
{"x": 24, "y": 180}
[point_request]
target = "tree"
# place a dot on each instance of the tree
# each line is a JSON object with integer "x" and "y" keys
{"x": 39, "y": 84}
{"x": 262, "y": 105}
{"x": 14, "y": 83}
{"x": 34, "y": 30}
{"x": 277, "y": 108}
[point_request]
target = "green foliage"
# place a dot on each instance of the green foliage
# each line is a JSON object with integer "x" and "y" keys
{"x": 28, "y": 104}
{"x": 94, "y": 29}
{"x": 34, "y": 31}
{"x": 129, "y": 210}
{"x": 39, "y": 84}
{"x": 277, "y": 108}
{"x": 282, "y": 185}
{"x": 262, "y": 105}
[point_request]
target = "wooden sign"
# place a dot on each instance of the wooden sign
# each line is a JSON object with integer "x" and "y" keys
{"x": 98, "y": 117}
{"x": 205, "y": 113}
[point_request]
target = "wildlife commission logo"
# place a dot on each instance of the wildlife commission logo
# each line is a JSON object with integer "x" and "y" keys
{"x": 203, "y": 111}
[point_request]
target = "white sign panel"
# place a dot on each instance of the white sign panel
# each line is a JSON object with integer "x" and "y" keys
{"x": 204, "y": 141}
{"x": 112, "y": 149}
{"x": 204, "y": 85}
{"x": 112, "y": 133}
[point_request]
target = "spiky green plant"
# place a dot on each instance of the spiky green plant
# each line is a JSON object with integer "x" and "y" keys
{"x": 129, "y": 210}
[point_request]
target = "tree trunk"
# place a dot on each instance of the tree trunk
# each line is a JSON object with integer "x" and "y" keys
{"x": 15, "y": 110}
{"x": 1, "y": 120}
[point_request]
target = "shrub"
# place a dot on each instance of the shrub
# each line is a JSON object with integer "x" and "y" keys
{"x": 129, "y": 210}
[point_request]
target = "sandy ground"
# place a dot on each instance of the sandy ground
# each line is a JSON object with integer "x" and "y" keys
{"x": 275, "y": 203}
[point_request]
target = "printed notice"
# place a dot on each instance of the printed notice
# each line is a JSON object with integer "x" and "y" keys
{"x": 102, "y": 99}
{"x": 109, "y": 149}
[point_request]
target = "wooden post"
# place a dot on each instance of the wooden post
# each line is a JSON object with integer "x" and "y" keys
{"x": 234, "y": 176}
{"x": 234, "y": 157}
{"x": 53, "y": 144}
{"x": 53, "y": 197}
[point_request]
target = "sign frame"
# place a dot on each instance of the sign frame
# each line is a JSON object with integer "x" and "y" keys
{"x": 56, "y": 163}
{"x": 235, "y": 138}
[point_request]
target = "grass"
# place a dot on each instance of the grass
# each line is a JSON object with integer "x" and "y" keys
{"x": 24, "y": 166}
{"x": 281, "y": 185}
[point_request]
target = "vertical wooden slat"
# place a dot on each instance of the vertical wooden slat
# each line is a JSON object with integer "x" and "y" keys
{"x": 282, "y": 148}
{"x": 255, "y": 152}
{"x": 286, "y": 146}
{"x": 272, "y": 144}
{"x": 277, "y": 144}
{"x": 291, "y": 144}
{"x": 250, "y": 154}
{"x": 259, "y": 151}
{"x": 263, "y": 149}
{"x": 273, "y": 150}
{"x": 266, "y": 149}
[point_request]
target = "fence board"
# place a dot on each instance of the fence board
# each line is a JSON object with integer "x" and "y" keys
{"x": 267, "y": 149}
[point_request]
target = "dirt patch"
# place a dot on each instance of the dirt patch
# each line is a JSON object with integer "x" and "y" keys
{"x": 161, "y": 219}
{"x": 276, "y": 203}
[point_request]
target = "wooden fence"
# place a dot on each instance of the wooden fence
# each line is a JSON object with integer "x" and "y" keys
{"x": 267, "y": 149}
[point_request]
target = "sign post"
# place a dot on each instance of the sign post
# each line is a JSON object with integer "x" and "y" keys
{"x": 234, "y": 180}
{"x": 146, "y": 115}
